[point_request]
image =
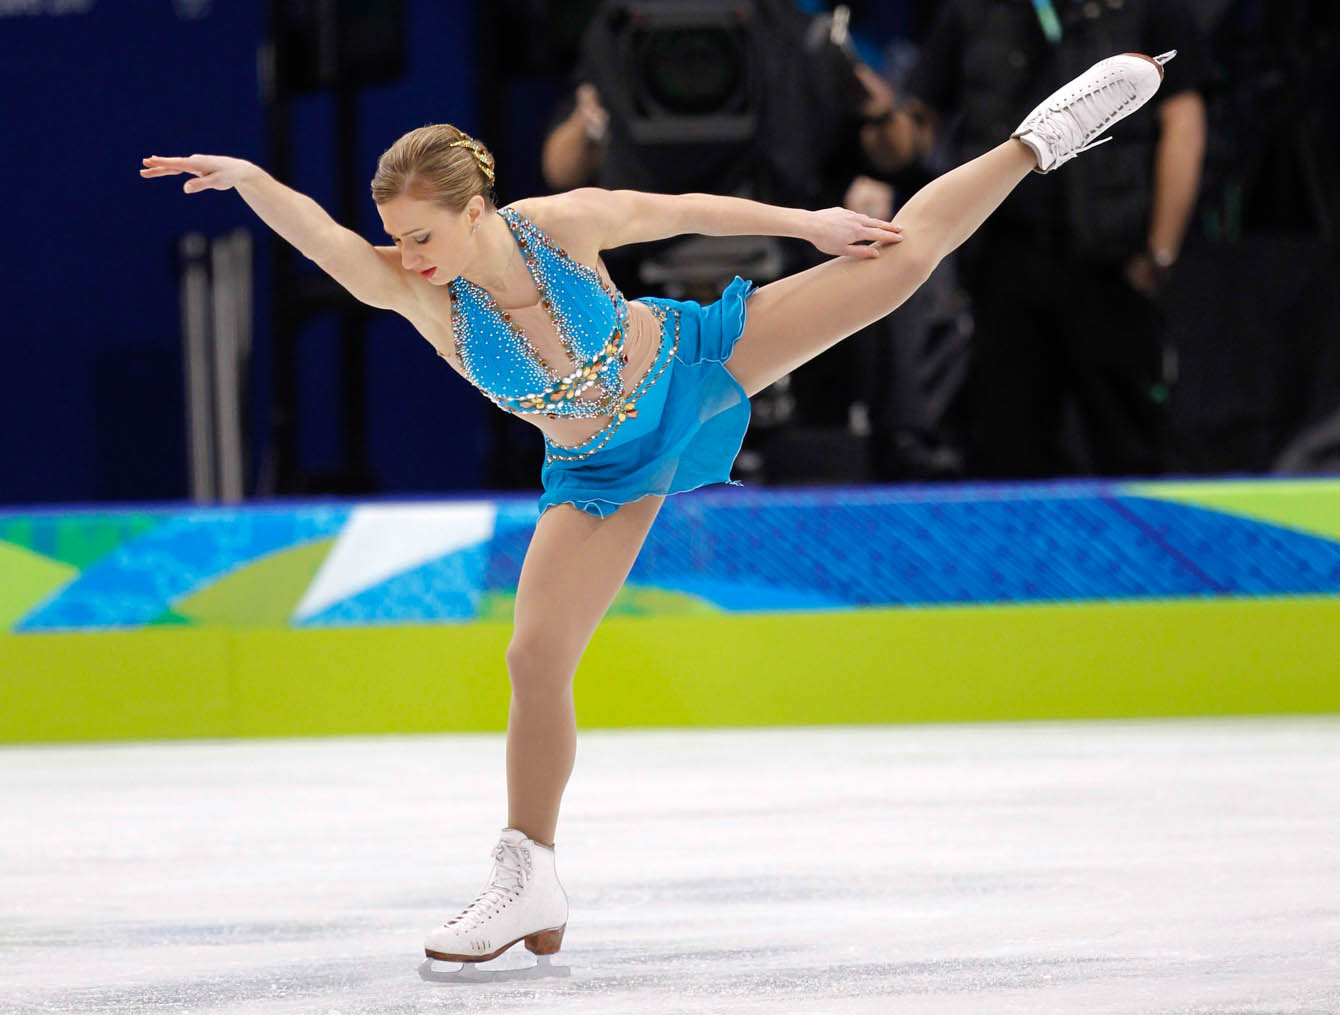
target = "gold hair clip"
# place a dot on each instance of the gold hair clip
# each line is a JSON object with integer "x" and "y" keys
{"x": 480, "y": 153}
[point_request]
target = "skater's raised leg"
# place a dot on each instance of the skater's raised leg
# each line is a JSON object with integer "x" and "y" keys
{"x": 794, "y": 319}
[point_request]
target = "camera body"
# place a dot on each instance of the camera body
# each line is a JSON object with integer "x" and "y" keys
{"x": 722, "y": 97}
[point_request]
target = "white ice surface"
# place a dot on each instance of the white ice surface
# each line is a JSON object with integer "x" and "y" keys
{"x": 1169, "y": 866}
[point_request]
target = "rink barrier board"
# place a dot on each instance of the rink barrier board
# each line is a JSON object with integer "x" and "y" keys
{"x": 876, "y": 665}
{"x": 745, "y": 607}
{"x": 331, "y": 564}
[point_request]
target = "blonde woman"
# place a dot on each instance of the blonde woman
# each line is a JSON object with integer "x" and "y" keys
{"x": 637, "y": 399}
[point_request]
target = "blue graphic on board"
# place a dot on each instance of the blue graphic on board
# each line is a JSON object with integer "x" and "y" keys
{"x": 737, "y": 551}
{"x": 1027, "y": 545}
{"x": 1234, "y": 556}
{"x": 511, "y": 538}
{"x": 447, "y": 588}
{"x": 141, "y": 579}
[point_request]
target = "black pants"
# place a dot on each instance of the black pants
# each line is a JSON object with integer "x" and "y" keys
{"x": 1065, "y": 376}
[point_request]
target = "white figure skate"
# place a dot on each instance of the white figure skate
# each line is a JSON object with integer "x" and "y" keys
{"x": 522, "y": 901}
{"x": 1071, "y": 119}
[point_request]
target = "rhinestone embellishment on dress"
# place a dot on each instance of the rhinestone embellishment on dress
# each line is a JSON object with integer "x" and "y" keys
{"x": 589, "y": 318}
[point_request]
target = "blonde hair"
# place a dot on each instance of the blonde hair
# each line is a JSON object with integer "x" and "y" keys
{"x": 437, "y": 163}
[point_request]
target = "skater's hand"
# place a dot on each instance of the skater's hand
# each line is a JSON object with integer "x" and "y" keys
{"x": 212, "y": 172}
{"x": 849, "y": 233}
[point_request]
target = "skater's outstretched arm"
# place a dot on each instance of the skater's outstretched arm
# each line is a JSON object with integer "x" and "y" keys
{"x": 373, "y": 276}
{"x": 617, "y": 217}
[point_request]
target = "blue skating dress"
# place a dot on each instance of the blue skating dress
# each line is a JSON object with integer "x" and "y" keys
{"x": 679, "y": 427}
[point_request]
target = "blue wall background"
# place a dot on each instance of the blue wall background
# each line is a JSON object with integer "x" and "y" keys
{"x": 93, "y": 406}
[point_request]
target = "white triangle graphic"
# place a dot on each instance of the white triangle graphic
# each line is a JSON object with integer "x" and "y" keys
{"x": 380, "y": 541}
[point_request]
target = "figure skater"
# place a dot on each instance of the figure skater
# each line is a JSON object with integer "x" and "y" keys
{"x": 636, "y": 400}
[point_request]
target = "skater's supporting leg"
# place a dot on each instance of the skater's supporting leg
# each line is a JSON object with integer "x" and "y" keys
{"x": 796, "y": 318}
{"x": 574, "y": 567}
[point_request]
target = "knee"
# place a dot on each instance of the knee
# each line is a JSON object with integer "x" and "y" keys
{"x": 916, "y": 261}
{"x": 924, "y": 245}
{"x": 538, "y": 665}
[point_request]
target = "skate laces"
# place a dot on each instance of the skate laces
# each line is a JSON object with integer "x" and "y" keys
{"x": 511, "y": 872}
{"x": 1084, "y": 116}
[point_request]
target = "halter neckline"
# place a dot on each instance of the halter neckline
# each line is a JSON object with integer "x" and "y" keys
{"x": 506, "y": 215}
{"x": 589, "y": 319}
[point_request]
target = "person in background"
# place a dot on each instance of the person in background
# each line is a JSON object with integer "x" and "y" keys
{"x": 574, "y": 148}
{"x": 820, "y": 88}
{"x": 1067, "y": 369}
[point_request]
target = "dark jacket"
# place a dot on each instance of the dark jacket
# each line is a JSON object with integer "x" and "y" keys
{"x": 988, "y": 63}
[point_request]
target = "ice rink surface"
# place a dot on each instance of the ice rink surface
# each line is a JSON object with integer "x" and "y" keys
{"x": 1163, "y": 866}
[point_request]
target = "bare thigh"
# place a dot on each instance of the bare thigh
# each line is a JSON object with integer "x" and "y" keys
{"x": 574, "y": 567}
{"x": 796, "y": 318}
{"x": 792, "y": 320}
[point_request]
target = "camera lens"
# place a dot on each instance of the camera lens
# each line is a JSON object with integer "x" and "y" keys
{"x": 691, "y": 72}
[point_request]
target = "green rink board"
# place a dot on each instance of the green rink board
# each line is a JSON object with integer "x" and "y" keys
{"x": 1195, "y": 657}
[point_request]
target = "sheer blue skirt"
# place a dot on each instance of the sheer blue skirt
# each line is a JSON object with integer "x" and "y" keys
{"x": 690, "y": 420}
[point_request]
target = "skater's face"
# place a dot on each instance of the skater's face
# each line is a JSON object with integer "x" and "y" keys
{"x": 437, "y": 243}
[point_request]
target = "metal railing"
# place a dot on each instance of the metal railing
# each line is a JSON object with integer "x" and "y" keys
{"x": 216, "y": 314}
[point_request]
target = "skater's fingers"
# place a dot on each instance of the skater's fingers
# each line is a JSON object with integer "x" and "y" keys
{"x": 156, "y": 165}
{"x": 878, "y": 223}
{"x": 863, "y": 251}
{"x": 879, "y": 235}
{"x": 203, "y": 183}
{"x": 195, "y": 164}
